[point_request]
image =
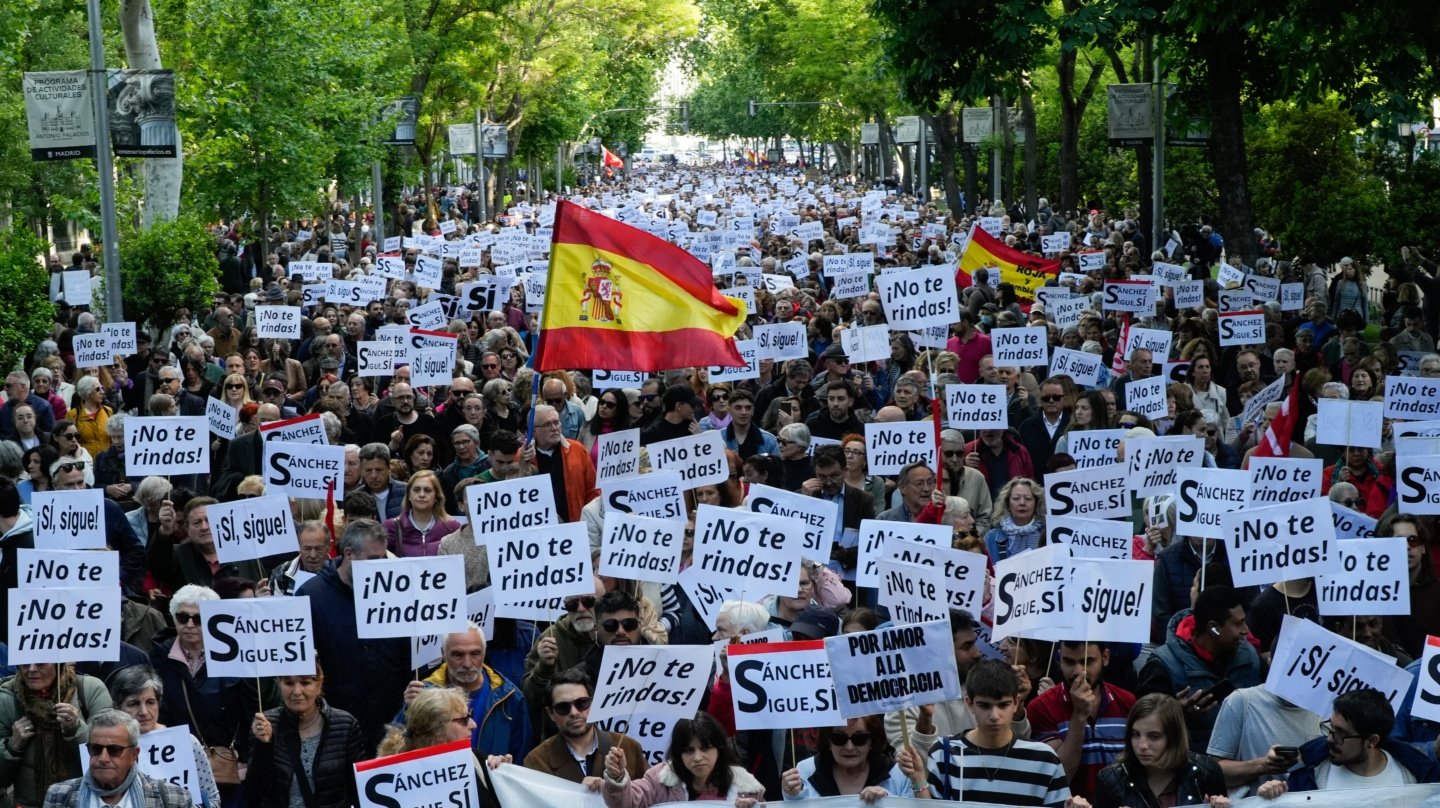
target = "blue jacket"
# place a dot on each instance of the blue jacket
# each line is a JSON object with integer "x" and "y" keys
{"x": 1175, "y": 666}
{"x": 1315, "y": 752}
{"x": 1417, "y": 732}
{"x": 502, "y": 722}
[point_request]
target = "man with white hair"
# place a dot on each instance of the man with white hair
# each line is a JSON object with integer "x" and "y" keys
{"x": 501, "y": 716}
{"x": 113, "y": 776}
{"x": 567, "y": 462}
{"x": 17, "y": 389}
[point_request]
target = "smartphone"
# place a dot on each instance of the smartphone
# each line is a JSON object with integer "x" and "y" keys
{"x": 1290, "y": 752}
{"x": 1220, "y": 690}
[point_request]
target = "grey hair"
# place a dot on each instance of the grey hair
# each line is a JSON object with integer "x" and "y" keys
{"x": 85, "y": 385}
{"x": 468, "y": 430}
{"x": 1338, "y": 388}
{"x": 190, "y": 595}
{"x": 357, "y": 533}
{"x": 115, "y": 718}
{"x": 133, "y": 680}
{"x": 471, "y": 627}
{"x": 10, "y": 460}
{"x": 745, "y": 614}
{"x": 796, "y": 432}
{"x": 333, "y": 426}
{"x": 115, "y": 427}
{"x": 152, "y": 491}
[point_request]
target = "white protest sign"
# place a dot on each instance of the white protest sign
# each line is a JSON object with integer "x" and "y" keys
{"x": 850, "y": 285}
{"x": 507, "y": 505}
{"x": 780, "y": 341}
{"x": 277, "y": 322}
{"x": 617, "y": 455}
{"x": 304, "y": 470}
{"x": 1147, "y": 397}
{"x": 1275, "y": 480}
{"x": 1020, "y": 347}
{"x": 818, "y": 517}
{"x": 641, "y": 548}
{"x": 1349, "y": 423}
{"x": 64, "y": 624}
{"x": 435, "y": 775}
{"x": 221, "y": 417}
{"x": 918, "y": 298}
{"x": 1426, "y": 705}
{"x": 121, "y": 338}
{"x": 430, "y": 316}
{"x": 168, "y": 753}
{"x": 1190, "y": 295}
{"x": 1115, "y": 598}
{"x": 751, "y": 553}
{"x": 1052, "y": 245}
{"x": 1262, "y": 289}
{"x": 1280, "y": 542}
{"x": 401, "y": 597}
{"x": 1254, "y": 409}
{"x": 1067, "y": 311}
{"x": 877, "y": 535}
{"x": 1242, "y": 328}
{"x": 1312, "y": 666}
{"x": 432, "y": 367}
{"x": 782, "y": 685}
{"x": 1083, "y": 368}
{"x": 643, "y": 690}
{"x": 252, "y": 528}
{"x": 1154, "y": 463}
{"x": 167, "y": 445}
{"x": 1235, "y": 301}
{"x": 92, "y": 351}
{"x": 1095, "y": 493}
{"x": 870, "y": 343}
{"x": 378, "y": 358}
{"x": 659, "y": 494}
{"x": 69, "y": 520}
{"x": 1136, "y": 297}
{"x": 750, "y": 370}
{"x": 617, "y": 379}
{"x": 893, "y": 668}
{"x": 481, "y": 609}
{"x": 892, "y": 446}
{"x": 963, "y": 572}
{"x": 700, "y": 459}
{"x": 1417, "y": 484}
{"x": 913, "y": 593}
{"x": 248, "y": 637}
{"x": 1095, "y": 447}
{"x": 1090, "y": 261}
{"x": 1029, "y": 595}
{"x": 1351, "y": 524}
{"x": 1092, "y": 538}
{"x": 44, "y": 569}
{"x": 976, "y": 406}
{"x": 1203, "y": 495}
{"x": 1154, "y": 340}
{"x": 1412, "y": 399}
{"x": 706, "y": 597}
{"x": 300, "y": 429}
{"x": 1373, "y": 580}
{"x": 1167, "y": 274}
{"x": 1292, "y": 296}
{"x": 542, "y": 563}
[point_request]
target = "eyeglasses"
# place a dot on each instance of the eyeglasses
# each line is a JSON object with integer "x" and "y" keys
{"x": 182, "y": 618}
{"x": 462, "y": 720}
{"x": 235, "y": 386}
{"x": 954, "y": 452}
{"x": 854, "y": 452}
{"x": 1414, "y": 541}
{"x": 1051, "y": 398}
{"x": 650, "y": 397}
{"x": 574, "y": 604}
{"x": 460, "y": 393}
{"x": 613, "y": 625}
{"x": 784, "y": 442}
{"x": 719, "y": 396}
{"x": 114, "y": 750}
{"x": 1352, "y": 503}
{"x": 1127, "y": 424}
{"x": 605, "y": 402}
{"x": 1329, "y": 731}
{"x": 857, "y": 739}
{"x": 490, "y": 365}
{"x": 66, "y": 468}
{"x": 70, "y": 435}
{"x": 579, "y": 705}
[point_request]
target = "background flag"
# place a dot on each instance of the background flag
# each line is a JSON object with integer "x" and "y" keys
{"x": 618, "y": 298}
{"x": 1276, "y": 440}
{"x": 1021, "y": 270}
{"x": 612, "y": 160}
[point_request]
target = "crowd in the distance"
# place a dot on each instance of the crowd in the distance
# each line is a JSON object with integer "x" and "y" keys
{"x": 1179, "y": 720}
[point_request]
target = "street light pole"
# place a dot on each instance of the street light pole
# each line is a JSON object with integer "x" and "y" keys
{"x": 105, "y": 164}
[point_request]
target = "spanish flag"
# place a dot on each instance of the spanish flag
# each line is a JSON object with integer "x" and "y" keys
{"x": 1021, "y": 270}
{"x": 611, "y": 160}
{"x": 618, "y": 298}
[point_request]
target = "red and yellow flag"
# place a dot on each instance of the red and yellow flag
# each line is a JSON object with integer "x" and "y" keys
{"x": 612, "y": 160}
{"x": 1021, "y": 270}
{"x": 618, "y": 298}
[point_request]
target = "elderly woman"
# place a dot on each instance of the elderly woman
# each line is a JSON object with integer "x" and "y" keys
{"x": 66, "y": 440}
{"x": 110, "y": 463}
{"x": 152, "y": 494}
{"x": 42, "y": 382}
{"x": 90, "y": 414}
{"x": 794, "y": 442}
{"x": 42, "y": 722}
{"x": 1019, "y": 525}
{"x": 137, "y": 691}
{"x": 857, "y": 470}
{"x": 304, "y": 752}
{"x": 435, "y": 716}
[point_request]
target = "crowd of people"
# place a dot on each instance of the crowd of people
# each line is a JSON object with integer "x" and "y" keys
{"x": 1181, "y": 719}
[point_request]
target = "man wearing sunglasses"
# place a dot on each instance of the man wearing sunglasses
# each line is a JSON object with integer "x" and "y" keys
{"x": 113, "y": 778}
{"x": 577, "y": 751}
{"x": 565, "y": 644}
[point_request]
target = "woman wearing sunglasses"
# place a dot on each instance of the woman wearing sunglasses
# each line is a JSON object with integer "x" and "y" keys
{"x": 851, "y": 760}
{"x": 66, "y": 440}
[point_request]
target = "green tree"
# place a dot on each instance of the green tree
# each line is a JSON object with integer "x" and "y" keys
{"x": 169, "y": 266}
{"x": 29, "y": 312}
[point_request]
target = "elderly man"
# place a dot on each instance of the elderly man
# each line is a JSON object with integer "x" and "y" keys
{"x": 17, "y": 389}
{"x": 113, "y": 776}
{"x": 290, "y": 575}
{"x": 572, "y": 474}
{"x": 469, "y": 461}
{"x": 502, "y": 720}
{"x": 572, "y": 418}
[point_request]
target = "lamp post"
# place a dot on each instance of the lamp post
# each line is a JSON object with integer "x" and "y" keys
{"x": 1407, "y": 137}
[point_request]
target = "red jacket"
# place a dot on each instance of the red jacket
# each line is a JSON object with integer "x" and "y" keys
{"x": 579, "y": 479}
{"x": 1017, "y": 455}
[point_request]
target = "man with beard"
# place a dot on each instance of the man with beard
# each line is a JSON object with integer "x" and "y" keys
{"x": 617, "y": 622}
{"x": 502, "y": 721}
{"x": 838, "y": 418}
{"x": 1083, "y": 719}
{"x": 405, "y": 421}
{"x": 565, "y": 644}
{"x": 577, "y": 751}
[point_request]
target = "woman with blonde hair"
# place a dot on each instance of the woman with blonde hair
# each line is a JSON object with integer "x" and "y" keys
{"x": 235, "y": 391}
{"x": 423, "y": 520}
{"x": 1018, "y": 520}
{"x": 437, "y": 715}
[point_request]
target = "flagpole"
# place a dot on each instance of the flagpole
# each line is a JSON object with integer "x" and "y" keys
{"x": 535, "y": 335}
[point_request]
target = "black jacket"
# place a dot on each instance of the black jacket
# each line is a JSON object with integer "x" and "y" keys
{"x": 1125, "y": 786}
{"x": 273, "y": 765}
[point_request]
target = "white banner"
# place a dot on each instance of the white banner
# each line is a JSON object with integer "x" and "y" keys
{"x": 752, "y": 553}
{"x": 248, "y": 637}
{"x": 1093, "y": 538}
{"x": 660, "y": 494}
{"x": 1312, "y": 666}
{"x": 303, "y": 470}
{"x": 252, "y": 528}
{"x": 1096, "y": 493}
{"x": 643, "y": 690}
{"x": 641, "y": 548}
{"x": 890, "y": 447}
{"x": 877, "y": 535}
{"x": 977, "y": 406}
{"x": 1280, "y": 543}
{"x": 1204, "y": 495}
{"x": 277, "y": 322}
{"x": 64, "y": 624}
{"x": 1083, "y": 368}
{"x": 1242, "y": 328}
{"x": 505, "y": 505}
{"x": 918, "y": 298}
{"x": 1417, "y": 486}
{"x": 167, "y": 445}
{"x": 893, "y": 668}
{"x": 782, "y": 686}
{"x": 69, "y": 520}
{"x": 546, "y": 563}
{"x": 1374, "y": 579}
{"x": 1028, "y": 599}
{"x": 1020, "y": 347}
{"x": 438, "y": 775}
{"x": 518, "y": 787}
{"x": 1412, "y": 399}
{"x": 300, "y": 429}
{"x": 402, "y": 597}
{"x": 222, "y": 418}
{"x": 700, "y": 459}
{"x": 48, "y": 569}
{"x": 818, "y": 517}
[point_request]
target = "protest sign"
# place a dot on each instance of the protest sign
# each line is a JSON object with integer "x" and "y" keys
{"x": 1292, "y": 296}
{"x": 1349, "y": 423}
{"x": 300, "y": 429}
{"x": 1147, "y": 397}
{"x": 641, "y": 548}
{"x": 69, "y": 520}
{"x": 1052, "y": 245}
{"x": 1412, "y": 399}
{"x": 660, "y": 494}
{"x": 643, "y": 690}
{"x": 252, "y": 528}
{"x": 1136, "y": 297}
{"x": 248, "y": 637}
{"x": 782, "y": 685}
{"x": 1096, "y": 493}
{"x": 850, "y": 285}
{"x": 780, "y": 341}
{"x": 1030, "y": 595}
{"x": 92, "y": 351}
{"x": 1242, "y": 328}
{"x": 1262, "y": 289}
{"x": 518, "y": 787}
{"x": 222, "y": 418}
{"x": 1020, "y": 347}
{"x": 869, "y": 343}
{"x": 481, "y": 610}
{"x": 1154, "y": 463}
{"x": 817, "y": 517}
{"x": 1095, "y": 447}
{"x": 547, "y": 563}
{"x": 432, "y": 367}
{"x": 45, "y": 569}
{"x": 377, "y": 358}
{"x": 1190, "y": 295}
{"x": 304, "y": 470}
{"x": 1351, "y": 524}
{"x": 617, "y": 455}
{"x": 1067, "y": 312}
{"x": 1312, "y": 666}
{"x": 1254, "y": 409}
{"x": 1083, "y": 368}
{"x": 700, "y": 459}
{"x": 166, "y": 445}
{"x": 750, "y": 370}
{"x": 1092, "y": 538}
{"x": 1168, "y": 274}
{"x": 277, "y": 322}
{"x": 430, "y": 316}
{"x": 1236, "y": 301}
{"x": 1280, "y": 542}
{"x": 1091, "y": 261}
{"x": 401, "y": 597}
{"x": 1115, "y": 598}
{"x": 918, "y": 298}
{"x": 876, "y": 535}
{"x": 431, "y": 776}
{"x": 963, "y": 572}
{"x": 704, "y": 595}
{"x": 751, "y": 553}
{"x": 1417, "y": 485}
{"x": 1203, "y": 495}
{"x": 1274, "y": 480}
{"x": 913, "y": 593}
{"x": 120, "y": 338}
{"x": 64, "y": 624}
{"x": 168, "y": 753}
{"x": 976, "y": 406}
{"x": 892, "y": 446}
{"x": 893, "y": 668}
{"x": 1176, "y": 372}
{"x": 1154, "y": 340}
{"x": 1374, "y": 579}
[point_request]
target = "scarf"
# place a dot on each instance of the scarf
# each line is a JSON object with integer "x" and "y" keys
{"x": 1018, "y": 538}
{"x": 92, "y": 793}
{"x": 55, "y": 760}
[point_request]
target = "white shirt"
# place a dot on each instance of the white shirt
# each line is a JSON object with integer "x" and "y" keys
{"x": 1329, "y": 776}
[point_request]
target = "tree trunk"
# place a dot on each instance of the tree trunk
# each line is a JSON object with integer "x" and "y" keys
{"x": 163, "y": 175}
{"x": 1031, "y": 152}
{"x": 945, "y": 125}
{"x": 844, "y": 157}
{"x": 887, "y": 149}
{"x": 1070, "y": 115}
{"x": 972, "y": 176}
{"x": 1224, "y": 63}
{"x": 1007, "y": 156}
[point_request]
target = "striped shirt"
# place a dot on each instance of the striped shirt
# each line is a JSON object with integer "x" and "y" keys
{"x": 1050, "y": 714}
{"x": 1026, "y": 773}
